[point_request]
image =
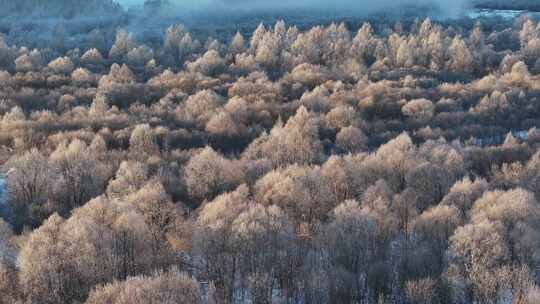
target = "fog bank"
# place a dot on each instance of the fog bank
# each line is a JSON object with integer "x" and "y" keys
{"x": 357, "y": 6}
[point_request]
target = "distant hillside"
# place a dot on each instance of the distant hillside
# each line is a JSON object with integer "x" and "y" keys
{"x": 58, "y": 8}
{"x": 530, "y": 5}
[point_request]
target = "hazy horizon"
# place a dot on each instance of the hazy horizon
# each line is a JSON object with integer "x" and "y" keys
{"x": 366, "y": 6}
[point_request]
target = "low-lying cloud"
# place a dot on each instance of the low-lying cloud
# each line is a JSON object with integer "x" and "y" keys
{"x": 447, "y": 6}
{"x": 450, "y": 6}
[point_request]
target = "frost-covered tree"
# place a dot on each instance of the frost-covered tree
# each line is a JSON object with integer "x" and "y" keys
{"x": 62, "y": 65}
{"x": 296, "y": 142}
{"x": 208, "y": 174}
{"x": 351, "y": 139}
{"x": 142, "y": 142}
{"x": 461, "y": 59}
{"x": 171, "y": 286}
{"x": 80, "y": 176}
{"x": 210, "y": 64}
{"x": 122, "y": 46}
{"x": 48, "y": 273}
{"x": 349, "y": 237}
{"x": 420, "y": 110}
{"x": 92, "y": 59}
{"x": 269, "y": 228}
{"x": 201, "y": 106}
{"x": 214, "y": 240}
{"x": 502, "y": 231}
{"x": 161, "y": 217}
{"x": 130, "y": 177}
{"x": 238, "y": 44}
{"x": 29, "y": 188}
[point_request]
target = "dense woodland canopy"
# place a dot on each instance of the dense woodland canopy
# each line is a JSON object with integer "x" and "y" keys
{"x": 325, "y": 165}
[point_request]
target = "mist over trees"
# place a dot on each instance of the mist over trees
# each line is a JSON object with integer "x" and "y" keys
{"x": 58, "y": 8}
{"x": 391, "y": 162}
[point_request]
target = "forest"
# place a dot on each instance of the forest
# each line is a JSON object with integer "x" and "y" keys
{"x": 362, "y": 161}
